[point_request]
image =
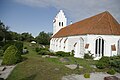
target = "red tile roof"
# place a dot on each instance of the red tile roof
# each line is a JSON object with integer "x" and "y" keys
{"x": 101, "y": 24}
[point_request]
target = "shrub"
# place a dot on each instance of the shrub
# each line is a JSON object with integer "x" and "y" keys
{"x": 87, "y": 75}
{"x": 115, "y": 63}
{"x": 111, "y": 71}
{"x": 109, "y": 62}
{"x": 19, "y": 46}
{"x": 104, "y": 62}
{"x": 72, "y": 53}
{"x": 1, "y": 52}
{"x": 1, "y": 43}
{"x": 63, "y": 54}
{"x": 37, "y": 49}
{"x": 51, "y": 54}
{"x": 87, "y": 56}
{"x": 25, "y": 47}
{"x": 5, "y": 47}
{"x": 11, "y": 56}
{"x": 43, "y": 52}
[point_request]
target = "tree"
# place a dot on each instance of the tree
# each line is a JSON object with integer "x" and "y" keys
{"x": 43, "y": 38}
{"x": 26, "y": 37}
{"x": 4, "y": 33}
{"x": 15, "y": 36}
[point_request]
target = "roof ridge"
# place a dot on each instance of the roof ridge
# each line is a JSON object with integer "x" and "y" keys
{"x": 103, "y": 14}
{"x": 108, "y": 16}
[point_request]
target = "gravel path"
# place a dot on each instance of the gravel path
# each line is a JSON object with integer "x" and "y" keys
{"x": 93, "y": 76}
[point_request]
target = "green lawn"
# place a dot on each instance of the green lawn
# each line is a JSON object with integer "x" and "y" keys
{"x": 38, "y": 68}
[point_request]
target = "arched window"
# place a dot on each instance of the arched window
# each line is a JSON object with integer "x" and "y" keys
{"x": 118, "y": 47}
{"x": 99, "y": 47}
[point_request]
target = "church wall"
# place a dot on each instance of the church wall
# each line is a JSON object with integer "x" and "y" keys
{"x": 109, "y": 40}
{"x": 52, "y": 44}
{"x": 74, "y": 44}
{"x": 68, "y": 46}
{"x": 75, "y": 39}
{"x": 63, "y": 45}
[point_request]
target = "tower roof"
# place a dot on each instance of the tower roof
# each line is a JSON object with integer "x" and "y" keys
{"x": 100, "y": 24}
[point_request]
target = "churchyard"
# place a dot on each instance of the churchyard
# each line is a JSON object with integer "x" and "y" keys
{"x": 44, "y": 65}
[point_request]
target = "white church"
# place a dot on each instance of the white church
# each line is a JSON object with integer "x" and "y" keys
{"x": 99, "y": 35}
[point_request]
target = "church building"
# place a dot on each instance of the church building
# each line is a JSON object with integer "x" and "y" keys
{"x": 99, "y": 35}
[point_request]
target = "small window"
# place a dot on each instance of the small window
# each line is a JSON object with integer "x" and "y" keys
{"x": 62, "y": 23}
{"x": 59, "y": 23}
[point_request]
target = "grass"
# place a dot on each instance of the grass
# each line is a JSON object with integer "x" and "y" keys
{"x": 38, "y": 68}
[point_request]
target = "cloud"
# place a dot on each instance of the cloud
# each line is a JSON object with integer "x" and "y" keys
{"x": 79, "y": 9}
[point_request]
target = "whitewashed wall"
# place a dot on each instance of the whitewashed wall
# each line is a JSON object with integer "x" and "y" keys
{"x": 56, "y": 45}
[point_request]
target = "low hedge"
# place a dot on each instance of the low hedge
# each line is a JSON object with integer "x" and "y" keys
{"x": 63, "y": 54}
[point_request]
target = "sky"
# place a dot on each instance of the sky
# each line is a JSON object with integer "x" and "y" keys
{"x": 34, "y": 16}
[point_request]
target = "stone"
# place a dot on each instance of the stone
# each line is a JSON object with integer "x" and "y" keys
{"x": 46, "y": 56}
{"x": 2, "y": 68}
{"x": 111, "y": 78}
{"x": 93, "y": 66}
{"x": 53, "y": 57}
{"x": 56, "y": 69}
{"x": 64, "y": 60}
{"x": 73, "y": 66}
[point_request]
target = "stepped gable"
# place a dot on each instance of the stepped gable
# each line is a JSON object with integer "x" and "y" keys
{"x": 101, "y": 24}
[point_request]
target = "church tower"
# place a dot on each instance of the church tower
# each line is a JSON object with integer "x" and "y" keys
{"x": 59, "y": 22}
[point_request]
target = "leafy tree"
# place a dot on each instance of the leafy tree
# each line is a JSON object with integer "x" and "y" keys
{"x": 26, "y": 37}
{"x": 4, "y": 33}
{"x": 43, "y": 38}
{"x": 15, "y": 36}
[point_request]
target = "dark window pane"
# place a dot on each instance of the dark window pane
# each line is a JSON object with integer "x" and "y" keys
{"x": 96, "y": 47}
{"x": 59, "y": 23}
{"x": 102, "y": 47}
{"x": 62, "y": 23}
{"x": 99, "y": 46}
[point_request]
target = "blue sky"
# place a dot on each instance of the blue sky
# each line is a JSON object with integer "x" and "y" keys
{"x": 34, "y": 16}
